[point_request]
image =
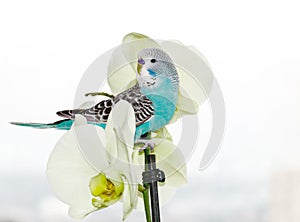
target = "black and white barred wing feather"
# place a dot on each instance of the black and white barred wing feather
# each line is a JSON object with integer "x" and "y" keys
{"x": 99, "y": 113}
{"x": 96, "y": 114}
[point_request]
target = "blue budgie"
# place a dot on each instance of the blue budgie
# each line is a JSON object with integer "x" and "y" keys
{"x": 153, "y": 98}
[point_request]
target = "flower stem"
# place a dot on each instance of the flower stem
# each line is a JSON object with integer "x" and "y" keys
{"x": 146, "y": 189}
{"x": 145, "y": 192}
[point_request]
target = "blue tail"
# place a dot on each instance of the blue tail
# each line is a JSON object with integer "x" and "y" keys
{"x": 61, "y": 124}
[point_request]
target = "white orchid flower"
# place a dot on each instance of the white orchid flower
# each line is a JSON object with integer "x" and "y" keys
{"x": 195, "y": 74}
{"x": 196, "y": 82}
{"x": 91, "y": 168}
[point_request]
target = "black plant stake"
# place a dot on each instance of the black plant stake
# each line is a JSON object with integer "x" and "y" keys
{"x": 150, "y": 178}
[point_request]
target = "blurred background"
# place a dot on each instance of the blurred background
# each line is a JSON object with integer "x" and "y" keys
{"x": 253, "y": 48}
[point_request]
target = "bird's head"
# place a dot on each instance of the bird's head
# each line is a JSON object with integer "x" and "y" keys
{"x": 153, "y": 64}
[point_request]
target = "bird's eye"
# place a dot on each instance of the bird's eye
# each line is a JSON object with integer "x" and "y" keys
{"x": 153, "y": 60}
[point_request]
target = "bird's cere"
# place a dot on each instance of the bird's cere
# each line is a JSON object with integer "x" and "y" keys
{"x": 141, "y": 61}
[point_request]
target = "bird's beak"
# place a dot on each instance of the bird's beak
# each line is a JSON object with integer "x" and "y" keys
{"x": 139, "y": 67}
{"x": 141, "y": 62}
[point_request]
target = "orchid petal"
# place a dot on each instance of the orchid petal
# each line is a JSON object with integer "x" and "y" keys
{"x": 120, "y": 132}
{"x": 162, "y": 133}
{"x": 69, "y": 174}
{"x": 195, "y": 76}
{"x": 133, "y": 43}
{"x": 168, "y": 159}
{"x": 123, "y": 62}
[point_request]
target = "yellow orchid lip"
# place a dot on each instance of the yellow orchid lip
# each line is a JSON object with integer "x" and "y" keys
{"x": 105, "y": 191}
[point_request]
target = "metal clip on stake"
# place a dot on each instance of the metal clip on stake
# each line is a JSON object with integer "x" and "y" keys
{"x": 153, "y": 176}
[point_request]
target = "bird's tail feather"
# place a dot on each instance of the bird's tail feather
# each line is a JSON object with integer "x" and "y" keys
{"x": 64, "y": 124}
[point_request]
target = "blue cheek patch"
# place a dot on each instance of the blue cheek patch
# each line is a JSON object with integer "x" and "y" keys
{"x": 151, "y": 72}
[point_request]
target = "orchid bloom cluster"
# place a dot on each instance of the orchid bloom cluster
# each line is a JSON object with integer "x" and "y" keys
{"x": 91, "y": 168}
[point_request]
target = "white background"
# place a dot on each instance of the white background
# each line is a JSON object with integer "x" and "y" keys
{"x": 253, "y": 48}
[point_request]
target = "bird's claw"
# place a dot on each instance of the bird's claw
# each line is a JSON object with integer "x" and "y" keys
{"x": 147, "y": 143}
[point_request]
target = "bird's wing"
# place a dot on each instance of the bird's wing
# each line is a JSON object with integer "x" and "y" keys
{"x": 141, "y": 104}
{"x": 99, "y": 113}
{"x": 143, "y": 110}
